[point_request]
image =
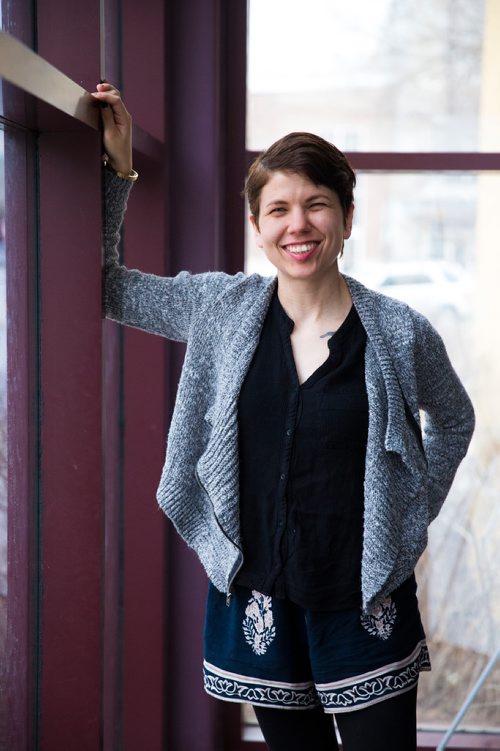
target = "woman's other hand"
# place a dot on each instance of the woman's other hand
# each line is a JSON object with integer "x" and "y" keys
{"x": 117, "y": 122}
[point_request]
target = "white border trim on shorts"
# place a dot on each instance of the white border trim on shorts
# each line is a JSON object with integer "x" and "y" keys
{"x": 229, "y": 686}
{"x": 371, "y": 688}
{"x": 347, "y": 695}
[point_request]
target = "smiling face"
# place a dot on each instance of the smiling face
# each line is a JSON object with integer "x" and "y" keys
{"x": 301, "y": 226}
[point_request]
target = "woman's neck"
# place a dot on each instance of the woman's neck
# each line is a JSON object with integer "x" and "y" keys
{"x": 311, "y": 301}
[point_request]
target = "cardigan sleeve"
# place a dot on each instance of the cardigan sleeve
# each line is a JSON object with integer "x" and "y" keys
{"x": 449, "y": 414}
{"x": 157, "y": 304}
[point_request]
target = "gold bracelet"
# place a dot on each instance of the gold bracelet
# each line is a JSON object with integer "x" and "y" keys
{"x": 131, "y": 177}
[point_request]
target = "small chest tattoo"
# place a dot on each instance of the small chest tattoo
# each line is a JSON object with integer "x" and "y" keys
{"x": 328, "y": 333}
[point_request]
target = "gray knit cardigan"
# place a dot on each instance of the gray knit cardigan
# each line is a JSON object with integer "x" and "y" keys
{"x": 408, "y": 472}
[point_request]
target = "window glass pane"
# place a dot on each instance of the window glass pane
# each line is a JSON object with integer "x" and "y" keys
{"x": 3, "y": 440}
{"x": 432, "y": 241}
{"x": 375, "y": 75}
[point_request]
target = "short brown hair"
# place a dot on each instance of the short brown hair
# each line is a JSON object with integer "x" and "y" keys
{"x": 303, "y": 154}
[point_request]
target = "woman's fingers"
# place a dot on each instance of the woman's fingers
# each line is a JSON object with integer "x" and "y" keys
{"x": 106, "y": 92}
{"x": 117, "y": 131}
{"x": 106, "y": 86}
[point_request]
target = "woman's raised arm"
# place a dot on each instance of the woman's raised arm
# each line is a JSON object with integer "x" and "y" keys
{"x": 157, "y": 304}
{"x": 117, "y": 128}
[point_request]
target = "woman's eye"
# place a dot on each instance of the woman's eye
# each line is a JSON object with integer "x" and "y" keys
{"x": 277, "y": 210}
{"x": 317, "y": 205}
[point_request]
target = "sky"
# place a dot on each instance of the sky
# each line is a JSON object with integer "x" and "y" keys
{"x": 299, "y": 45}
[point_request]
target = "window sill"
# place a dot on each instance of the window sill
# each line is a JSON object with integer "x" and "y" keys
{"x": 253, "y": 741}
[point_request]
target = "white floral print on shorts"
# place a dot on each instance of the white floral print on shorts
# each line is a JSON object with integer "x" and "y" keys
{"x": 380, "y": 620}
{"x": 258, "y": 624}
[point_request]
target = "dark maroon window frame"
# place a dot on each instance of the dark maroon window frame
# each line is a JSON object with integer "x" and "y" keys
{"x": 22, "y": 421}
{"x": 72, "y": 666}
{"x": 145, "y": 626}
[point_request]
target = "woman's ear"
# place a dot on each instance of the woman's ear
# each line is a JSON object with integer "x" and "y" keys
{"x": 348, "y": 222}
{"x": 256, "y": 231}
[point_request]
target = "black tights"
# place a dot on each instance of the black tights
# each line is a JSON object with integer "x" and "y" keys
{"x": 389, "y": 725}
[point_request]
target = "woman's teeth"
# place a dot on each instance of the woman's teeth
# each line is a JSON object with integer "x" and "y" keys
{"x": 298, "y": 249}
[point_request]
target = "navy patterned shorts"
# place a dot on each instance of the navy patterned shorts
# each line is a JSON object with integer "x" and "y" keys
{"x": 273, "y": 653}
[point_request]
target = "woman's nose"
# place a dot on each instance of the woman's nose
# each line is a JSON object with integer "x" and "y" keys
{"x": 298, "y": 220}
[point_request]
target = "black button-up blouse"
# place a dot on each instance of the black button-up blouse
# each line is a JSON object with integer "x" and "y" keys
{"x": 302, "y": 461}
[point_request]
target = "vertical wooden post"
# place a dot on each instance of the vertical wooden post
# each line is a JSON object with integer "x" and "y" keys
{"x": 205, "y": 126}
{"x": 71, "y": 491}
{"x": 18, "y": 712}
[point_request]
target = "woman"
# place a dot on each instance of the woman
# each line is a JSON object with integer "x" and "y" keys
{"x": 296, "y": 466}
